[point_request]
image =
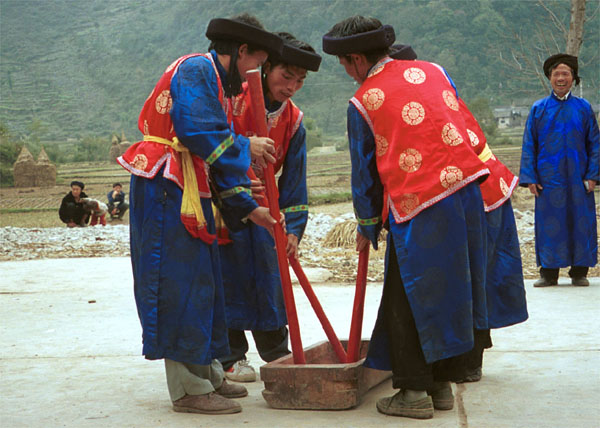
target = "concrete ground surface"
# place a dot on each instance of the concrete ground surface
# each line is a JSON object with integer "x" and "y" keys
{"x": 70, "y": 344}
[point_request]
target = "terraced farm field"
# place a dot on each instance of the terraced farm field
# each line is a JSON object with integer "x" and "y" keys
{"x": 328, "y": 182}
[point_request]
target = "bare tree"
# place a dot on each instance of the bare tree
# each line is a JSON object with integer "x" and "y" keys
{"x": 528, "y": 54}
{"x": 575, "y": 36}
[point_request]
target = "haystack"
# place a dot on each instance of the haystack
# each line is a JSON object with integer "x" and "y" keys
{"x": 343, "y": 235}
{"x": 119, "y": 145}
{"x": 124, "y": 144}
{"x": 45, "y": 172}
{"x": 114, "y": 151}
{"x": 24, "y": 169}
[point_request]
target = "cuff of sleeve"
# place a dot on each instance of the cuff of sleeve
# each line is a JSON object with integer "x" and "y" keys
{"x": 236, "y": 208}
{"x": 371, "y": 232}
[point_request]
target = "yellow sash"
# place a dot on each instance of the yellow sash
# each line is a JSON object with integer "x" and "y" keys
{"x": 190, "y": 201}
{"x": 486, "y": 154}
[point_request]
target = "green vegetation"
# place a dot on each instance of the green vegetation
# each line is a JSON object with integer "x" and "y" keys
{"x": 331, "y": 198}
{"x": 72, "y": 73}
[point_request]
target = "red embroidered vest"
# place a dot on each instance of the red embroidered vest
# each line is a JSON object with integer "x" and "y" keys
{"x": 422, "y": 145}
{"x": 282, "y": 124}
{"x": 501, "y": 183}
{"x": 145, "y": 158}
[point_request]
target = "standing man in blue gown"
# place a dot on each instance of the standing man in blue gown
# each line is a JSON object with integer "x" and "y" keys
{"x": 559, "y": 165}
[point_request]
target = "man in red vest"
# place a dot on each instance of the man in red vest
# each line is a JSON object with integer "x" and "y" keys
{"x": 413, "y": 173}
{"x": 186, "y": 123}
{"x": 505, "y": 289}
{"x": 253, "y": 293}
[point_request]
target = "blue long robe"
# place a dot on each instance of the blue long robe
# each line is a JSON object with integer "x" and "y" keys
{"x": 177, "y": 278}
{"x": 505, "y": 289}
{"x": 560, "y": 150}
{"x": 441, "y": 255}
{"x": 253, "y": 294}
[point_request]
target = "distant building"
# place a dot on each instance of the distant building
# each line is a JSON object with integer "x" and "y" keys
{"x": 508, "y": 117}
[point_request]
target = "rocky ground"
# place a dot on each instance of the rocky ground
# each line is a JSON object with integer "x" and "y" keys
{"x": 340, "y": 260}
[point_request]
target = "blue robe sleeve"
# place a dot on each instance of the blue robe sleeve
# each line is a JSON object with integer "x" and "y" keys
{"x": 201, "y": 125}
{"x": 293, "y": 195}
{"x": 367, "y": 189}
{"x": 528, "y": 169}
{"x": 592, "y": 145}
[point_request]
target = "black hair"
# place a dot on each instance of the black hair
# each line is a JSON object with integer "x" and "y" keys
{"x": 117, "y": 184}
{"x": 355, "y": 25}
{"x": 78, "y": 184}
{"x": 231, "y": 47}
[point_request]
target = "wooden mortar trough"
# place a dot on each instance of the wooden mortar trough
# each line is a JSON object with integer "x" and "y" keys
{"x": 320, "y": 384}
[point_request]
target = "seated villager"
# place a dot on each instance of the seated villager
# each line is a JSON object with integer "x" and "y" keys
{"x": 96, "y": 209}
{"x": 117, "y": 206}
{"x": 71, "y": 209}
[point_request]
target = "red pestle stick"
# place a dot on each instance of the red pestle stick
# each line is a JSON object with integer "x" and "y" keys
{"x": 359, "y": 306}
{"x": 312, "y": 298}
{"x": 258, "y": 110}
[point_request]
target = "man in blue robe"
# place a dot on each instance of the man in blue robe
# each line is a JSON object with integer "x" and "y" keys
{"x": 177, "y": 274}
{"x": 559, "y": 165}
{"x": 434, "y": 287}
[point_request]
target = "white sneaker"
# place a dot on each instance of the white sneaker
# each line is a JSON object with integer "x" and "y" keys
{"x": 241, "y": 371}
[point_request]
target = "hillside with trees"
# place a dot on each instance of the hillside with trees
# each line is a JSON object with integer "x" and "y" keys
{"x": 74, "y": 70}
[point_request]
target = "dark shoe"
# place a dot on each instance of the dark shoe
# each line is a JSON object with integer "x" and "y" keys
{"x": 396, "y": 406}
{"x": 543, "y": 282}
{"x": 231, "y": 390}
{"x": 442, "y": 398}
{"x": 580, "y": 282}
{"x": 210, "y": 404}
{"x": 472, "y": 376}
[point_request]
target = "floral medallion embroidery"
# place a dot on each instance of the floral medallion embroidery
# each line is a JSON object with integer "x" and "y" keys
{"x": 373, "y": 99}
{"x": 239, "y": 105}
{"x": 140, "y": 162}
{"x": 146, "y": 128}
{"x": 473, "y": 138}
{"x": 413, "y": 113}
{"x": 164, "y": 102}
{"x": 410, "y": 160}
{"x": 450, "y": 176}
{"x": 381, "y": 145}
{"x": 414, "y": 75}
{"x": 450, "y": 100}
{"x": 450, "y": 135}
{"x": 376, "y": 70}
{"x": 504, "y": 186}
{"x": 272, "y": 121}
{"x": 408, "y": 202}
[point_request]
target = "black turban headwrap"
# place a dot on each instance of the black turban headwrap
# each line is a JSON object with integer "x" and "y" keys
{"x": 227, "y": 29}
{"x": 77, "y": 183}
{"x": 562, "y": 58}
{"x": 381, "y": 38}
{"x": 300, "y": 58}
{"x": 403, "y": 52}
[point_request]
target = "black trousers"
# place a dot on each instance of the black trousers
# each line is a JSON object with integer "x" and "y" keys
{"x": 409, "y": 369}
{"x": 551, "y": 274}
{"x": 483, "y": 340}
{"x": 270, "y": 345}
